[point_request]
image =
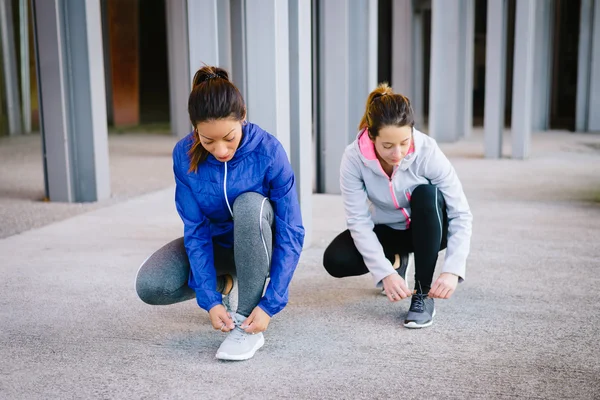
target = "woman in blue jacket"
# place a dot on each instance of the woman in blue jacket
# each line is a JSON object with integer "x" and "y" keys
{"x": 236, "y": 195}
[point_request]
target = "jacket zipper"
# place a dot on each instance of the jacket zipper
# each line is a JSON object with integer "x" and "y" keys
{"x": 225, "y": 191}
{"x": 391, "y": 186}
{"x": 394, "y": 199}
{"x": 393, "y": 195}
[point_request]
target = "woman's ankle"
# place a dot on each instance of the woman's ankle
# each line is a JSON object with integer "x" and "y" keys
{"x": 224, "y": 284}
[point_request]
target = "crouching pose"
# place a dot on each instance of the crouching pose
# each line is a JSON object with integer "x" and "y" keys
{"x": 401, "y": 195}
{"x": 236, "y": 195}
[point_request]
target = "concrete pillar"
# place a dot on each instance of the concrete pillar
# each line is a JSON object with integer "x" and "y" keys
{"x": 268, "y": 71}
{"x": 203, "y": 34}
{"x": 402, "y": 48}
{"x": 451, "y": 76}
{"x": 25, "y": 75}
{"x": 180, "y": 82}
{"x": 224, "y": 34}
{"x": 522, "y": 96}
{"x": 238, "y": 45}
{"x": 418, "y": 96}
{"x": 362, "y": 35}
{"x": 495, "y": 77}
{"x": 345, "y": 79}
{"x": 543, "y": 65}
{"x": 9, "y": 61}
{"x": 594, "y": 102}
{"x": 70, "y": 68}
{"x": 301, "y": 107}
{"x": 198, "y": 34}
{"x": 407, "y": 54}
{"x": 465, "y": 70}
{"x": 584, "y": 67}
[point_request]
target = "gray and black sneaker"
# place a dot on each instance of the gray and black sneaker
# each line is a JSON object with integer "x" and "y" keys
{"x": 421, "y": 312}
{"x": 401, "y": 265}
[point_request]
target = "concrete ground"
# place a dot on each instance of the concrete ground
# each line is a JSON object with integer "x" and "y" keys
{"x": 139, "y": 163}
{"x": 524, "y": 324}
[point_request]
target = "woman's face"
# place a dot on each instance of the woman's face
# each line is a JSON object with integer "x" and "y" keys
{"x": 220, "y": 137}
{"x": 393, "y": 143}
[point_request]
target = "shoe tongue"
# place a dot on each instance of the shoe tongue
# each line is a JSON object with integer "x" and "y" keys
{"x": 238, "y": 318}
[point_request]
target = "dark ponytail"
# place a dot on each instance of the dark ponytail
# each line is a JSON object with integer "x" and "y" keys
{"x": 213, "y": 97}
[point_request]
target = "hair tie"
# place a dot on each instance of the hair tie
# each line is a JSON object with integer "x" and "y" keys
{"x": 208, "y": 77}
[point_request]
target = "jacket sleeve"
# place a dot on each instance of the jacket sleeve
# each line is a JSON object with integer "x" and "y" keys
{"x": 288, "y": 233}
{"x": 359, "y": 221}
{"x": 441, "y": 173}
{"x": 197, "y": 240}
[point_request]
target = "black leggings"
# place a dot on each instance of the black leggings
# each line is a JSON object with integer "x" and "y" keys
{"x": 424, "y": 238}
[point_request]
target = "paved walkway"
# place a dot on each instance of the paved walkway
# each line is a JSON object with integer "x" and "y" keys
{"x": 524, "y": 324}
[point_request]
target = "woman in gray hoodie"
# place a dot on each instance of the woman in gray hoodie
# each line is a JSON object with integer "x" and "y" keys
{"x": 401, "y": 195}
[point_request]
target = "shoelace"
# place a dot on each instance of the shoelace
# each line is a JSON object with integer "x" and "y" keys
{"x": 418, "y": 302}
{"x": 238, "y": 335}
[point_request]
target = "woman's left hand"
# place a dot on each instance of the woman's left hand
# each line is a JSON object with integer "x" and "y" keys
{"x": 257, "y": 322}
{"x": 444, "y": 286}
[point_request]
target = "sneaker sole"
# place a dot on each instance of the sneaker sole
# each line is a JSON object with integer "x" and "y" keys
{"x": 242, "y": 357}
{"x": 415, "y": 325}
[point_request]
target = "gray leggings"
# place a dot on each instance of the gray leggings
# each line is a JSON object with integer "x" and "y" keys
{"x": 163, "y": 277}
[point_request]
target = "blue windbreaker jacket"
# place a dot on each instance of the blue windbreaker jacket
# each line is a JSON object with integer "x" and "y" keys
{"x": 259, "y": 165}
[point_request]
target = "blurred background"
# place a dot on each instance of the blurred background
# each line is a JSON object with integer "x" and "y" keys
{"x": 94, "y": 92}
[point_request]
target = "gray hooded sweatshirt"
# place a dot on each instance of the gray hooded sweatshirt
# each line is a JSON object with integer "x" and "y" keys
{"x": 371, "y": 197}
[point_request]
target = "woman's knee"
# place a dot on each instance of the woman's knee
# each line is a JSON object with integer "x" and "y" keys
{"x": 425, "y": 198}
{"x": 146, "y": 288}
{"x": 333, "y": 261}
{"x": 250, "y": 204}
{"x": 158, "y": 292}
{"x": 163, "y": 273}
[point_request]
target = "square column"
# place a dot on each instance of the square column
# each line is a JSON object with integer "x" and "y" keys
{"x": 180, "y": 83}
{"x": 451, "y": 76}
{"x": 584, "y": 67}
{"x": 268, "y": 68}
{"x": 301, "y": 107}
{"x": 594, "y": 102}
{"x": 9, "y": 66}
{"x": 70, "y": 66}
{"x": 542, "y": 74}
{"x": 198, "y": 34}
{"x": 347, "y": 37}
{"x": 522, "y": 97}
{"x": 495, "y": 77}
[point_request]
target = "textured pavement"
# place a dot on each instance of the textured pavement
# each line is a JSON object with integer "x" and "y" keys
{"x": 524, "y": 324}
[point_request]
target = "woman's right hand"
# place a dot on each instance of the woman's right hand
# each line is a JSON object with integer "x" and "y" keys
{"x": 395, "y": 287}
{"x": 220, "y": 318}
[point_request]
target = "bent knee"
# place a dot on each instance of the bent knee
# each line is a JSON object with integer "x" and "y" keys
{"x": 426, "y": 198}
{"x": 423, "y": 193}
{"x": 148, "y": 292}
{"x": 333, "y": 263}
{"x": 248, "y": 200}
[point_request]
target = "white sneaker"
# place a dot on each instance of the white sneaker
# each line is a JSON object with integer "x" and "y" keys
{"x": 239, "y": 345}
